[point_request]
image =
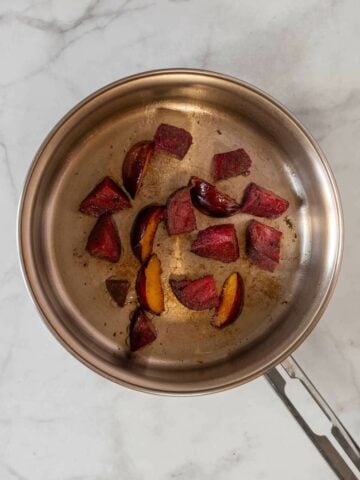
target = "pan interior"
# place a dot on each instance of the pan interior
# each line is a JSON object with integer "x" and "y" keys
{"x": 278, "y": 306}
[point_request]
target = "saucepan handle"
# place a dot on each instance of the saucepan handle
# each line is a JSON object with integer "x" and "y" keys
{"x": 334, "y": 442}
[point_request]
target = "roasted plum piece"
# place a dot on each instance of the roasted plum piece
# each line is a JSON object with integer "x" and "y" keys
{"x": 173, "y": 140}
{"x": 231, "y": 301}
{"x": 148, "y": 286}
{"x": 210, "y": 201}
{"x": 262, "y": 203}
{"x": 135, "y": 165}
{"x": 142, "y": 331}
{"x": 104, "y": 241}
{"x": 118, "y": 289}
{"x": 218, "y": 242}
{"x": 263, "y": 245}
{"x": 180, "y": 216}
{"x": 144, "y": 229}
{"x": 106, "y": 197}
{"x": 231, "y": 164}
{"x": 198, "y": 294}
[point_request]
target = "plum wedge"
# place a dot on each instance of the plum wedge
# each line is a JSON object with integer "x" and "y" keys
{"x": 231, "y": 301}
{"x": 231, "y": 164}
{"x": 199, "y": 294}
{"x": 180, "y": 216}
{"x": 142, "y": 331}
{"x": 144, "y": 229}
{"x": 148, "y": 286}
{"x": 118, "y": 289}
{"x": 173, "y": 140}
{"x": 218, "y": 242}
{"x": 262, "y": 203}
{"x": 106, "y": 197}
{"x": 263, "y": 245}
{"x": 135, "y": 165}
{"x": 104, "y": 241}
{"x": 210, "y": 201}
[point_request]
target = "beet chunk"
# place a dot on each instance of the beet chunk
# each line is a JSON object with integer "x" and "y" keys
{"x": 231, "y": 164}
{"x": 263, "y": 245}
{"x": 262, "y": 203}
{"x": 104, "y": 240}
{"x": 174, "y": 140}
{"x": 199, "y": 294}
{"x": 117, "y": 289}
{"x": 142, "y": 331}
{"x": 218, "y": 242}
{"x": 106, "y": 197}
{"x": 180, "y": 217}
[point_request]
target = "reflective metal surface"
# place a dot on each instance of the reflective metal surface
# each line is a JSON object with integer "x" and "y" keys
{"x": 189, "y": 356}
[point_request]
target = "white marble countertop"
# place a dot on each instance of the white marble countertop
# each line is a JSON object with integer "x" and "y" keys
{"x": 60, "y": 421}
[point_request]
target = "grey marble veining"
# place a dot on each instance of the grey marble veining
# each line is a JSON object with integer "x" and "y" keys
{"x": 57, "y": 419}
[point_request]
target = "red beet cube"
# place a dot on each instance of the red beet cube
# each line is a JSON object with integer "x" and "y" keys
{"x": 142, "y": 331}
{"x": 104, "y": 240}
{"x": 199, "y": 294}
{"x": 231, "y": 164}
{"x": 174, "y": 140}
{"x": 218, "y": 242}
{"x": 263, "y": 245}
{"x": 262, "y": 203}
{"x": 106, "y": 197}
{"x": 117, "y": 289}
{"x": 180, "y": 216}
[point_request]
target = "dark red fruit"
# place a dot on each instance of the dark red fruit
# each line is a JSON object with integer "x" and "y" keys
{"x": 231, "y": 301}
{"x": 135, "y": 165}
{"x": 199, "y": 294}
{"x": 262, "y": 203}
{"x": 231, "y": 164}
{"x": 117, "y": 289}
{"x": 218, "y": 242}
{"x": 144, "y": 229}
{"x": 263, "y": 245}
{"x": 174, "y": 140}
{"x": 180, "y": 217}
{"x": 210, "y": 201}
{"x": 142, "y": 330}
{"x": 104, "y": 240}
{"x": 149, "y": 286}
{"x": 106, "y": 197}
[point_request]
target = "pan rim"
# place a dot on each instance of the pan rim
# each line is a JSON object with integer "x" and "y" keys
{"x": 217, "y": 384}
